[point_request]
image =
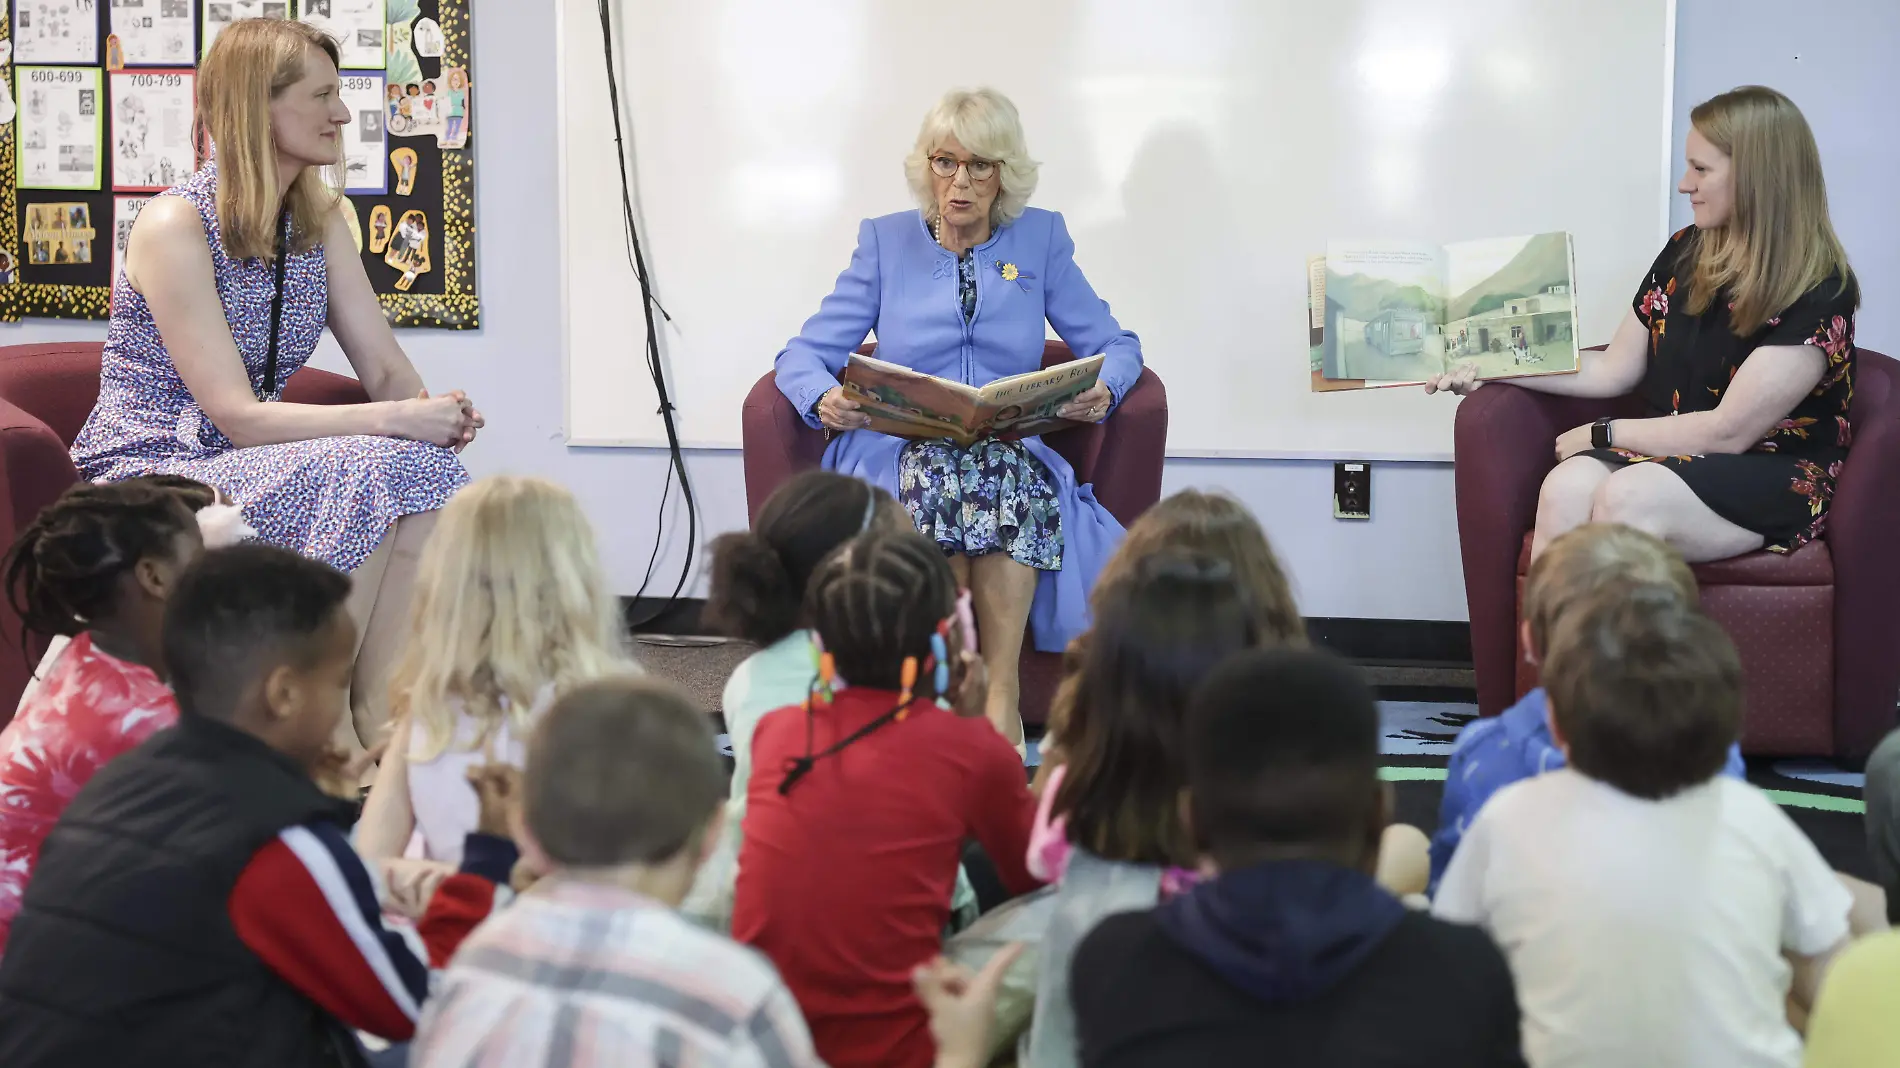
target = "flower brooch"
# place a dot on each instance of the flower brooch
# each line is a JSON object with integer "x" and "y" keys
{"x": 1013, "y": 273}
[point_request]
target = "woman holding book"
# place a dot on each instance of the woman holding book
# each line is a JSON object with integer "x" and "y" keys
{"x": 1740, "y": 342}
{"x": 960, "y": 288}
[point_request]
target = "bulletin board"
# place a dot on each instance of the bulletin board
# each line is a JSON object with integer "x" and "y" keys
{"x": 97, "y": 99}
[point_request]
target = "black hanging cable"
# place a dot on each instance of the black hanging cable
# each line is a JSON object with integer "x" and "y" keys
{"x": 636, "y": 259}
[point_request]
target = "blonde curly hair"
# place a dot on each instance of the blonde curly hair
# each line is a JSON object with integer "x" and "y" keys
{"x": 984, "y": 122}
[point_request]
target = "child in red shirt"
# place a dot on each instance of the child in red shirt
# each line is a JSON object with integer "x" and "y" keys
{"x": 97, "y": 564}
{"x": 860, "y": 803}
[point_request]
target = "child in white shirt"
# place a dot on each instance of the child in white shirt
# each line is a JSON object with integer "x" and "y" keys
{"x": 1652, "y": 910}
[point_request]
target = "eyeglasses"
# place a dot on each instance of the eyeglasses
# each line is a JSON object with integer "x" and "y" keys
{"x": 980, "y": 169}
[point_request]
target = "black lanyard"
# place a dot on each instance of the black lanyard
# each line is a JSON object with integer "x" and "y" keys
{"x": 276, "y": 313}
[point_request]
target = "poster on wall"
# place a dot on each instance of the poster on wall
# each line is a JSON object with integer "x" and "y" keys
{"x": 60, "y": 127}
{"x": 221, "y": 13}
{"x": 55, "y": 31}
{"x": 59, "y": 234}
{"x": 125, "y": 212}
{"x": 357, "y": 25}
{"x": 364, "y": 139}
{"x": 151, "y": 129}
{"x": 89, "y": 147}
{"x": 154, "y": 33}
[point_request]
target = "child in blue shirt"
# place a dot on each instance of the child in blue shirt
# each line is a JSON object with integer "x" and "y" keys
{"x": 1491, "y": 754}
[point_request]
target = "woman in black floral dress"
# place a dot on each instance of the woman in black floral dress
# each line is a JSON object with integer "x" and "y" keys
{"x": 1740, "y": 341}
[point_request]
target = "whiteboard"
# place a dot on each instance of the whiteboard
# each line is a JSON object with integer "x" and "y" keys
{"x": 1200, "y": 150}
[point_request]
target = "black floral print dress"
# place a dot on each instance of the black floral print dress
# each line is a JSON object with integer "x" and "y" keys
{"x": 1780, "y": 488}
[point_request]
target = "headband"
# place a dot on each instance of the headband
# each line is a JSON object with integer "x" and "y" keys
{"x": 870, "y": 507}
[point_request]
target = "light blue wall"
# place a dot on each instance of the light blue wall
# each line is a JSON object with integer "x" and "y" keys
{"x": 1403, "y": 564}
{"x": 1836, "y": 59}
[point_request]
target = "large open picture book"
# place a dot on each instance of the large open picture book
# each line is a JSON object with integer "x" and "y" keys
{"x": 1393, "y": 313}
{"x": 911, "y": 404}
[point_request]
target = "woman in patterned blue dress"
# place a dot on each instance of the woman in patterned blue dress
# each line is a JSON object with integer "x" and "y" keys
{"x": 204, "y": 335}
{"x": 961, "y": 289}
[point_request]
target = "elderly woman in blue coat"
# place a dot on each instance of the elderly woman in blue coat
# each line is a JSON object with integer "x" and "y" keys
{"x": 960, "y": 289}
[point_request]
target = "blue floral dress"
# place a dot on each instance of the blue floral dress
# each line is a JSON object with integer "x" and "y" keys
{"x": 988, "y": 497}
{"x": 328, "y": 498}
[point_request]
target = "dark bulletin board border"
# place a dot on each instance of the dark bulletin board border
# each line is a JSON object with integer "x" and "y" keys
{"x": 456, "y": 307}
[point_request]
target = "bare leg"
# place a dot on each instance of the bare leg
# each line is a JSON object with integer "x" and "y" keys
{"x": 960, "y": 567}
{"x": 1564, "y": 503}
{"x": 387, "y": 631}
{"x": 365, "y": 581}
{"x": 1002, "y": 590}
{"x": 1652, "y": 498}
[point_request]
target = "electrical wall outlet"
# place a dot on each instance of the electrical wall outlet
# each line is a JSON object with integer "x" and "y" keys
{"x": 1352, "y": 490}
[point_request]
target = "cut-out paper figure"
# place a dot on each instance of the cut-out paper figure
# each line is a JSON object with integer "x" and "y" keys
{"x": 379, "y": 229}
{"x": 404, "y": 160}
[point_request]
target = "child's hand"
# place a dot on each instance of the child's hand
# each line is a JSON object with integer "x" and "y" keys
{"x": 340, "y": 775}
{"x": 412, "y": 883}
{"x": 970, "y": 685}
{"x": 498, "y": 790}
{"x": 524, "y": 876}
{"x": 962, "y": 1006}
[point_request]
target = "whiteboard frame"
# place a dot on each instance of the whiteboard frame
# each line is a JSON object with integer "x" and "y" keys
{"x": 565, "y": 55}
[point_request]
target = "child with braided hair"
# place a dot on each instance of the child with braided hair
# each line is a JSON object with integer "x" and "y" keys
{"x": 95, "y": 566}
{"x": 860, "y": 800}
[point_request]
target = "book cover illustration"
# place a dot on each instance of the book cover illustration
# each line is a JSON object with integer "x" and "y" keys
{"x": 1397, "y": 313}
{"x": 911, "y": 404}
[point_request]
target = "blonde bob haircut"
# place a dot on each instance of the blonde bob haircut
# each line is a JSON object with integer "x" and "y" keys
{"x": 510, "y": 602}
{"x": 986, "y": 124}
{"x": 1779, "y": 243}
{"x": 251, "y": 62}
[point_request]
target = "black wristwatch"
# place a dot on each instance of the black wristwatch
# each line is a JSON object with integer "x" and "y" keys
{"x": 1600, "y": 434}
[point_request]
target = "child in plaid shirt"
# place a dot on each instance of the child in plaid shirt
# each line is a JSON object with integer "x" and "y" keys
{"x": 621, "y": 803}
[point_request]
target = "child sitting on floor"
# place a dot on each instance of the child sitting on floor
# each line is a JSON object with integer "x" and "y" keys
{"x": 1494, "y": 752}
{"x": 511, "y": 609}
{"x": 860, "y": 802}
{"x": 1291, "y": 947}
{"x": 198, "y": 902}
{"x": 621, "y": 802}
{"x": 1108, "y": 827}
{"x": 1189, "y": 521}
{"x": 758, "y": 579}
{"x": 96, "y": 565}
{"x": 1644, "y": 900}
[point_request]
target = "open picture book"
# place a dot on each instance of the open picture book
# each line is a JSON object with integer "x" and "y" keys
{"x": 911, "y": 404}
{"x": 1394, "y": 313}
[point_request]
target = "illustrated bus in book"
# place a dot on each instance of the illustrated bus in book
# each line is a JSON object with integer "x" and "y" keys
{"x": 1397, "y": 332}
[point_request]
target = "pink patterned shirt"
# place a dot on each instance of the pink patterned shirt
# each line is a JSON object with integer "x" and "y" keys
{"x": 89, "y": 708}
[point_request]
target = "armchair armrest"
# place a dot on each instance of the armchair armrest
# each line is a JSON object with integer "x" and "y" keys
{"x": 34, "y": 470}
{"x": 1502, "y": 445}
{"x": 776, "y": 443}
{"x": 1861, "y": 522}
{"x": 1123, "y": 454}
{"x": 311, "y": 386}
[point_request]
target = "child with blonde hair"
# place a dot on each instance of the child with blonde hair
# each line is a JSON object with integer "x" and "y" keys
{"x": 511, "y": 610}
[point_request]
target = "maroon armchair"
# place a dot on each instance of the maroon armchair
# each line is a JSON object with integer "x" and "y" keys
{"x": 1818, "y": 629}
{"x": 1121, "y": 455}
{"x": 46, "y": 393}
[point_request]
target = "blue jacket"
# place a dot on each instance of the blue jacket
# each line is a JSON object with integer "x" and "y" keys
{"x": 1491, "y": 754}
{"x": 903, "y": 284}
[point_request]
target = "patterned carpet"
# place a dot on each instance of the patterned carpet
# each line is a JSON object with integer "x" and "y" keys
{"x": 1422, "y": 715}
{"x": 1823, "y": 800}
